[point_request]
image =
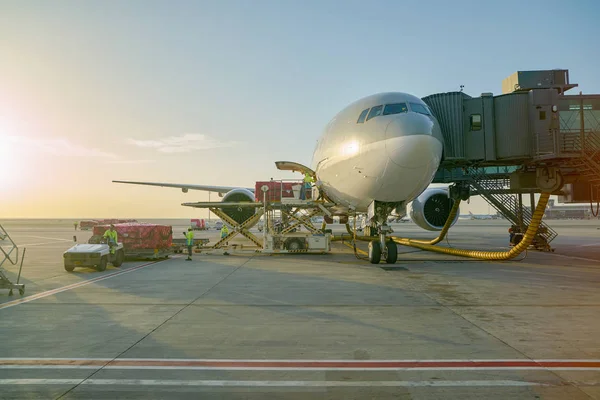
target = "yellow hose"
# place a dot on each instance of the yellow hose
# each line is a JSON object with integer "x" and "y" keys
{"x": 359, "y": 251}
{"x": 536, "y": 220}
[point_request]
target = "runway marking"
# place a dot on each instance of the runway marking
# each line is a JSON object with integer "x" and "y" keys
{"x": 39, "y": 244}
{"x": 573, "y": 257}
{"x": 75, "y": 285}
{"x": 50, "y": 238}
{"x": 297, "y": 365}
{"x": 237, "y": 383}
{"x": 590, "y": 244}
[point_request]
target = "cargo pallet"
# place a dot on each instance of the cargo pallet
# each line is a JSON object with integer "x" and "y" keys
{"x": 179, "y": 245}
{"x": 147, "y": 254}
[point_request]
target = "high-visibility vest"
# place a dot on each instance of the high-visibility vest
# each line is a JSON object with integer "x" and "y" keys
{"x": 189, "y": 236}
{"x": 111, "y": 235}
{"x": 224, "y": 231}
{"x": 308, "y": 178}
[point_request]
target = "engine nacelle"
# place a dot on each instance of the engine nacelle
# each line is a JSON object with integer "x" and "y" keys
{"x": 431, "y": 209}
{"x": 238, "y": 214}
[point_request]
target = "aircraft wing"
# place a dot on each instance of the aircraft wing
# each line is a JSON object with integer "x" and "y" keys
{"x": 186, "y": 187}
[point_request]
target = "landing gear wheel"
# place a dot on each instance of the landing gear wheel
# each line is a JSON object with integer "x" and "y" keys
{"x": 374, "y": 252}
{"x": 294, "y": 244}
{"x": 69, "y": 268}
{"x": 119, "y": 259}
{"x": 392, "y": 252}
{"x": 102, "y": 266}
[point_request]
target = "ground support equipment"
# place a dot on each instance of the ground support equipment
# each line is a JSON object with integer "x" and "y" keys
{"x": 9, "y": 248}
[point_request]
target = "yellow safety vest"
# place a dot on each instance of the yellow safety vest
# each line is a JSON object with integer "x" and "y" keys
{"x": 224, "y": 231}
{"x": 189, "y": 238}
{"x": 111, "y": 234}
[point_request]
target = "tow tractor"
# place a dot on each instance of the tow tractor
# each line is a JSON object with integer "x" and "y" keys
{"x": 93, "y": 256}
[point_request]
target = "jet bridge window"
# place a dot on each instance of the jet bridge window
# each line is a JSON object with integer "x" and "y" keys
{"x": 475, "y": 120}
{"x": 362, "y": 116}
{"x": 375, "y": 112}
{"x": 419, "y": 108}
{"x": 395, "y": 108}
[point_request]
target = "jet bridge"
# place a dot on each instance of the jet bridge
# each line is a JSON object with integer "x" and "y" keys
{"x": 531, "y": 138}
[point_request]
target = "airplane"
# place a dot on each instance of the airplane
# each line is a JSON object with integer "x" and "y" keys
{"x": 374, "y": 157}
{"x": 476, "y": 216}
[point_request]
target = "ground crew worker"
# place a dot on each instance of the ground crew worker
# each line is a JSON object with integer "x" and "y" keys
{"x": 224, "y": 231}
{"x": 189, "y": 241}
{"x": 306, "y": 185}
{"x": 75, "y": 223}
{"x": 111, "y": 234}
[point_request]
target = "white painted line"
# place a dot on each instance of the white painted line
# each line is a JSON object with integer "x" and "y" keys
{"x": 359, "y": 369}
{"x": 50, "y": 238}
{"x": 236, "y": 383}
{"x": 573, "y": 257}
{"x": 303, "y": 360}
{"x": 76, "y": 285}
{"x": 591, "y": 244}
{"x": 39, "y": 244}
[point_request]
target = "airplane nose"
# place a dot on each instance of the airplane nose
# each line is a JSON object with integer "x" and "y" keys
{"x": 413, "y": 141}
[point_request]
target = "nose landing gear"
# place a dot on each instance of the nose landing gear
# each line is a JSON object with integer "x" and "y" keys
{"x": 384, "y": 247}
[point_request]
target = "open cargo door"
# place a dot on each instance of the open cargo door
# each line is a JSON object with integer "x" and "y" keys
{"x": 294, "y": 167}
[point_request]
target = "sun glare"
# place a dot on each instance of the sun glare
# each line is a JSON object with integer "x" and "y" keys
{"x": 9, "y": 170}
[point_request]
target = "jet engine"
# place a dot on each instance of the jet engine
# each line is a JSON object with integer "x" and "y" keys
{"x": 431, "y": 209}
{"x": 240, "y": 195}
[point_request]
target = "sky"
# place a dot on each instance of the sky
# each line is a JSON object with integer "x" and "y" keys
{"x": 209, "y": 92}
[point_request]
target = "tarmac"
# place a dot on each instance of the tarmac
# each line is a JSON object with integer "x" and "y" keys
{"x": 251, "y": 326}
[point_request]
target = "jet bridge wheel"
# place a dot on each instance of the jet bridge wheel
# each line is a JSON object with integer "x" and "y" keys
{"x": 374, "y": 252}
{"x": 69, "y": 268}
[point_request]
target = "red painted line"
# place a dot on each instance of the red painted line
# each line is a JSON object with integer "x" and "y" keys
{"x": 75, "y": 285}
{"x": 299, "y": 364}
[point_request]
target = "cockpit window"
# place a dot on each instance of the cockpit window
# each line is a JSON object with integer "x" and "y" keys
{"x": 362, "y": 116}
{"x": 419, "y": 108}
{"x": 395, "y": 108}
{"x": 375, "y": 112}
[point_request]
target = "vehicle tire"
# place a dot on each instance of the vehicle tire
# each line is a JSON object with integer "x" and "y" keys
{"x": 69, "y": 268}
{"x": 374, "y": 251}
{"x": 119, "y": 259}
{"x": 294, "y": 244}
{"x": 392, "y": 252}
{"x": 102, "y": 266}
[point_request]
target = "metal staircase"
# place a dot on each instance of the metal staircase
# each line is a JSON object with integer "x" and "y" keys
{"x": 9, "y": 252}
{"x": 586, "y": 145}
{"x": 495, "y": 192}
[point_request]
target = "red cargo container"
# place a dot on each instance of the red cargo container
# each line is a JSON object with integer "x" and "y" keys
{"x": 198, "y": 224}
{"x": 140, "y": 235}
{"x": 87, "y": 224}
{"x": 276, "y": 190}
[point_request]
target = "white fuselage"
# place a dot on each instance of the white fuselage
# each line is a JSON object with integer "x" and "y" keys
{"x": 388, "y": 158}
